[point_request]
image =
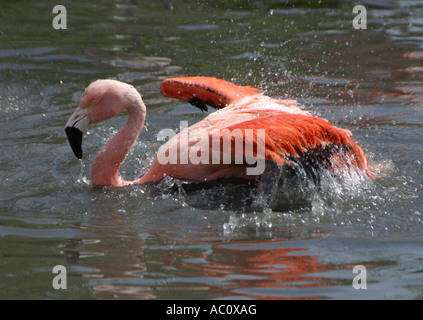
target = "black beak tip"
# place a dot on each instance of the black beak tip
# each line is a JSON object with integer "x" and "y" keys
{"x": 75, "y": 140}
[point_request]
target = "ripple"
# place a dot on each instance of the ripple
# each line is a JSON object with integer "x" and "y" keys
{"x": 199, "y": 27}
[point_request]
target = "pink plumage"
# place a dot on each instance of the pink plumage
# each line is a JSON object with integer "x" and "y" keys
{"x": 289, "y": 132}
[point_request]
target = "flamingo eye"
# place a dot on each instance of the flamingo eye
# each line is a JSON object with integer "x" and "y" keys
{"x": 94, "y": 102}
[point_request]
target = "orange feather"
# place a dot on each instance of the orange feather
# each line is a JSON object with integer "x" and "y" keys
{"x": 289, "y": 131}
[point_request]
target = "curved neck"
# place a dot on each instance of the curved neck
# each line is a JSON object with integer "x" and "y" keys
{"x": 105, "y": 169}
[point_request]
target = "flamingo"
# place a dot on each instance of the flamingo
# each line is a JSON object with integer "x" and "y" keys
{"x": 291, "y": 134}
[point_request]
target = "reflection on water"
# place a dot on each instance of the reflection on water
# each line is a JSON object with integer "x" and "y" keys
{"x": 169, "y": 242}
{"x": 126, "y": 265}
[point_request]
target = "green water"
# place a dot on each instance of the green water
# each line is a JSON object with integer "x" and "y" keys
{"x": 155, "y": 243}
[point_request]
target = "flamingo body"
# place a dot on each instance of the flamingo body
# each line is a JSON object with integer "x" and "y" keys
{"x": 290, "y": 133}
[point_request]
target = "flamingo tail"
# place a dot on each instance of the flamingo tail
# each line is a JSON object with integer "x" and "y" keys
{"x": 202, "y": 91}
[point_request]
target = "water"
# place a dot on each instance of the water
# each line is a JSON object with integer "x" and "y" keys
{"x": 165, "y": 243}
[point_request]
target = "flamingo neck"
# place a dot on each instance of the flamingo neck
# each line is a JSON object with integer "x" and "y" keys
{"x": 106, "y": 165}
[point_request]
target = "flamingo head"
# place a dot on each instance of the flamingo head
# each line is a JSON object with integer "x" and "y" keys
{"x": 102, "y": 100}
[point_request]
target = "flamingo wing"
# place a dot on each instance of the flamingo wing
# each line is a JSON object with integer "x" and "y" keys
{"x": 291, "y": 134}
{"x": 303, "y": 137}
{"x": 202, "y": 91}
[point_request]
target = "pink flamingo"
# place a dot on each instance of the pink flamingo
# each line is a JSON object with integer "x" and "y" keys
{"x": 290, "y": 133}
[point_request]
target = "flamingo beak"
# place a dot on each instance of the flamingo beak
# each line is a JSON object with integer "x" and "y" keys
{"x": 75, "y": 128}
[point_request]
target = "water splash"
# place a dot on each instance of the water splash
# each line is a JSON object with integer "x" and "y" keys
{"x": 82, "y": 178}
{"x": 305, "y": 198}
